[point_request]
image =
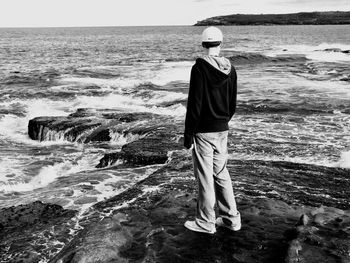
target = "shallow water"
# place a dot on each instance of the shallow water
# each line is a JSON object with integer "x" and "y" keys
{"x": 293, "y": 102}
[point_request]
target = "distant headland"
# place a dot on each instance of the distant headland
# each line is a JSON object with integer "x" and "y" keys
{"x": 303, "y": 18}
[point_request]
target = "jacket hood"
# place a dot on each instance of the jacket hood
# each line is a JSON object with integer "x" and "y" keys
{"x": 220, "y": 63}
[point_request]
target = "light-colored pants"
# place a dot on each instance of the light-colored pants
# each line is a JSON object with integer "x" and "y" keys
{"x": 214, "y": 182}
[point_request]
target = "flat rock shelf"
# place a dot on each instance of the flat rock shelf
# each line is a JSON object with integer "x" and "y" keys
{"x": 291, "y": 212}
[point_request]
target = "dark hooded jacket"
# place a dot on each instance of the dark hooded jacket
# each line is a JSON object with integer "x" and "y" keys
{"x": 211, "y": 100}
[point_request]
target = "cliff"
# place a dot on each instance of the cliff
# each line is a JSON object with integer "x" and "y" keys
{"x": 304, "y": 18}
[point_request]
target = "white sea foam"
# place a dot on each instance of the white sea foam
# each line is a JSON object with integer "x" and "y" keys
{"x": 15, "y": 128}
{"x": 127, "y": 104}
{"x": 172, "y": 71}
{"x": 328, "y": 57}
{"x": 164, "y": 96}
{"x": 103, "y": 83}
{"x": 108, "y": 191}
{"x": 322, "y": 52}
{"x": 118, "y": 138}
{"x": 48, "y": 174}
{"x": 344, "y": 161}
{"x": 156, "y": 73}
{"x": 266, "y": 157}
{"x": 8, "y": 167}
{"x": 111, "y": 101}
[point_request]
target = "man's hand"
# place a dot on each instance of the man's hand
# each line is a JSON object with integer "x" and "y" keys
{"x": 188, "y": 141}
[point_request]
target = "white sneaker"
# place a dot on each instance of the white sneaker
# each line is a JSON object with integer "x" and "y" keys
{"x": 193, "y": 226}
{"x": 232, "y": 226}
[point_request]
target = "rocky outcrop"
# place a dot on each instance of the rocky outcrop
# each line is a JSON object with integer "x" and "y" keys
{"x": 152, "y": 149}
{"x": 29, "y": 233}
{"x": 321, "y": 236}
{"x": 337, "y": 50}
{"x": 86, "y": 125}
{"x": 145, "y": 151}
{"x": 61, "y": 128}
{"x": 304, "y": 18}
{"x": 290, "y": 212}
{"x": 28, "y": 215}
{"x": 150, "y": 228}
{"x": 148, "y": 142}
{"x": 293, "y": 183}
{"x": 345, "y": 78}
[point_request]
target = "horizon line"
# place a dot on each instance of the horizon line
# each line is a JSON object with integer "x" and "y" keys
{"x": 163, "y": 25}
{"x": 91, "y": 26}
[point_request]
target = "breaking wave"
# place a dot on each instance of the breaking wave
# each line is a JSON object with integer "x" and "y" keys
{"x": 250, "y": 58}
{"x": 344, "y": 161}
{"x": 324, "y": 52}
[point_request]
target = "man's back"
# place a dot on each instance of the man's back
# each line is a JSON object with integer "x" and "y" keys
{"x": 212, "y": 98}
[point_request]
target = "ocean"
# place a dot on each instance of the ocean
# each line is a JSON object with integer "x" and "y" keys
{"x": 293, "y": 99}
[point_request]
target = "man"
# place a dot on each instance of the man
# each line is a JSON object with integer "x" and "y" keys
{"x": 210, "y": 106}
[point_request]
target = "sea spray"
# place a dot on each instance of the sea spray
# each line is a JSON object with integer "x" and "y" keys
{"x": 158, "y": 74}
{"x": 326, "y": 52}
{"x": 344, "y": 161}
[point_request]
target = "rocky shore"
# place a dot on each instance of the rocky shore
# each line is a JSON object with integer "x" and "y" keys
{"x": 291, "y": 212}
{"x": 277, "y": 225}
{"x": 303, "y": 18}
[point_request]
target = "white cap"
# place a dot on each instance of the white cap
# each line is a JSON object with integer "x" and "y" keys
{"x": 212, "y": 34}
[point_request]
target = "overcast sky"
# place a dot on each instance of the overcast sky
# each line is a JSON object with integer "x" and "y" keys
{"x": 38, "y": 13}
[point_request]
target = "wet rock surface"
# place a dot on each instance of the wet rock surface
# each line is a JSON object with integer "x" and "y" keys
{"x": 151, "y": 149}
{"x": 293, "y": 183}
{"x": 85, "y": 125}
{"x": 150, "y": 228}
{"x": 322, "y": 235}
{"x": 290, "y": 212}
{"x": 30, "y": 232}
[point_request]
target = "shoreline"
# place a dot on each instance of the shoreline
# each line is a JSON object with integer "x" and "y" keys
{"x": 145, "y": 222}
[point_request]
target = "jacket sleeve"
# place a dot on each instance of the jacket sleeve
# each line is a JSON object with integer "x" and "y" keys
{"x": 194, "y": 104}
{"x": 233, "y": 101}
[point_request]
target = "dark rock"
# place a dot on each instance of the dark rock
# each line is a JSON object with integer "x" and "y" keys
{"x": 303, "y": 220}
{"x": 27, "y": 215}
{"x": 35, "y": 126}
{"x": 303, "y": 18}
{"x": 345, "y": 79}
{"x": 145, "y": 151}
{"x": 337, "y": 50}
{"x": 289, "y": 210}
{"x": 83, "y": 112}
{"x": 150, "y": 229}
{"x": 152, "y": 149}
{"x": 85, "y": 200}
{"x": 129, "y": 117}
{"x": 24, "y": 226}
{"x": 332, "y": 50}
{"x": 328, "y": 241}
{"x": 99, "y": 135}
{"x": 86, "y": 187}
{"x": 85, "y": 125}
{"x": 55, "y": 128}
